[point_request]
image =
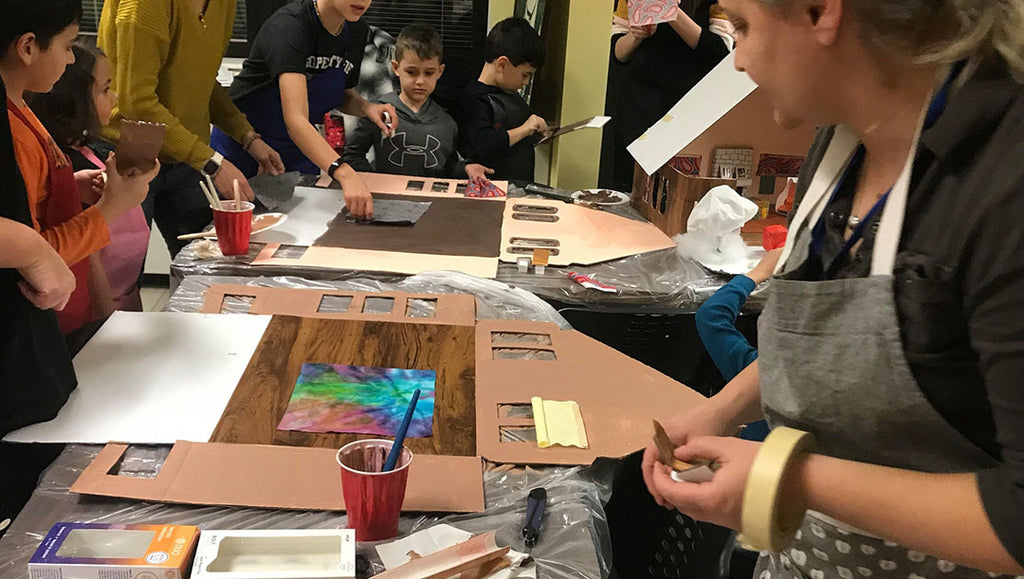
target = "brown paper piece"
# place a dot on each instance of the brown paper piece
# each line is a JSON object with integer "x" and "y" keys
{"x": 139, "y": 145}
{"x": 281, "y": 477}
{"x": 582, "y": 236}
{"x": 384, "y": 183}
{"x": 617, "y": 395}
{"x": 262, "y": 395}
{"x": 465, "y": 557}
{"x": 451, "y": 309}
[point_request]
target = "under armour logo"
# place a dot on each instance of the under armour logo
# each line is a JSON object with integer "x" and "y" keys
{"x": 399, "y": 150}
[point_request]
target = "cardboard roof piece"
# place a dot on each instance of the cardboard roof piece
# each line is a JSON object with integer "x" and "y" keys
{"x": 589, "y": 123}
{"x": 312, "y": 210}
{"x": 153, "y": 377}
{"x": 281, "y": 477}
{"x": 264, "y": 390}
{"x": 574, "y": 235}
{"x": 139, "y": 145}
{"x": 469, "y": 558}
{"x": 725, "y": 111}
{"x": 617, "y": 395}
{"x": 453, "y": 309}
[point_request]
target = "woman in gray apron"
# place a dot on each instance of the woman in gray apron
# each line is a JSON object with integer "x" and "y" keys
{"x": 894, "y": 329}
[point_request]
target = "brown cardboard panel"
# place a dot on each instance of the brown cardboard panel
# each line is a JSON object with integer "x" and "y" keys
{"x": 280, "y": 477}
{"x": 374, "y": 260}
{"x": 262, "y": 394}
{"x": 667, "y": 197}
{"x": 139, "y": 145}
{"x": 453, "y": 309}
{"x": 461, "y": 559}
{"x": 451, "y": 226}
{"x": 617, "y": 395}
{"x": 585, "y": 236}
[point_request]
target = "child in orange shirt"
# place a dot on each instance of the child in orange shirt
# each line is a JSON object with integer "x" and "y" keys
{"x": 36, "y": 39}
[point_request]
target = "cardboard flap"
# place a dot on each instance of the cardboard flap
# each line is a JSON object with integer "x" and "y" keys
{"x": 277, "y": 477}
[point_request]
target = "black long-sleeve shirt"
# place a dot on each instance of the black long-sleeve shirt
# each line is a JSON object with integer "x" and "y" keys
{"x": 959, "y": 279}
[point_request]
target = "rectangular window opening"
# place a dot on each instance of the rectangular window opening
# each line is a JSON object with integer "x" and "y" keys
{"x": 520, "y": 338}
{"x": 522, "y": 354}
{"x": 517, "y": 434}
{"x": 236, "y": 304}
{"x": 334, "y": 304}
{"x": 420, "y": 308}
{"x": 378, "y": 305}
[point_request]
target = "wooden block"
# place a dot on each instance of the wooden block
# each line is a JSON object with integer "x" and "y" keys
{"x": 541, "y": 256}
{"x": 262, "y": 395}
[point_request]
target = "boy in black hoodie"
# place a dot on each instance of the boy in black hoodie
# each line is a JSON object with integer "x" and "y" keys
{"x": 424, "y": 143}
{"x": 496, "y": 126}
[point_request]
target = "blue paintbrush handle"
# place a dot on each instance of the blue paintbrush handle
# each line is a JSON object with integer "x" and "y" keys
{"x": 396, "y": 448}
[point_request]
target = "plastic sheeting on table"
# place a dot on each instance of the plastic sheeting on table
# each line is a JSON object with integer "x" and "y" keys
{"x": 575, "y": 543}
{"x": 495, "y": 300}
{"x": 660, "y": 279}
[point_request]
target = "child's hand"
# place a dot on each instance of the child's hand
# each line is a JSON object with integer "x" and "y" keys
{"x": 384, "y": 116}
{"x": 766, "y": 267}
{"x": 536, "y": 124}
{"x": 477, "y": 173}
{"x": 90, "y": 185}
{"x": 358, "y": 199}
{"x": 124, "y": 192}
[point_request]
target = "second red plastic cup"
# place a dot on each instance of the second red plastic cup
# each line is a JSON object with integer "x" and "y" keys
{"x": 373, "y": 499}
{"x": 234, "y": 227}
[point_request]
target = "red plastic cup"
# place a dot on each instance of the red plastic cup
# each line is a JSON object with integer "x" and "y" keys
{"x": 234, "y": 226}
{"x": 373, "y": 498}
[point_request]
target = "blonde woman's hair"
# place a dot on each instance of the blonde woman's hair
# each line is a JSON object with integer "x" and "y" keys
{"x": 942, "y": 31}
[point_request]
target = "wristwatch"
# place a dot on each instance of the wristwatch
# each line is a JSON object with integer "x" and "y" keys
{"x": 334, "y": 167}
{"x": 212, "y": 164}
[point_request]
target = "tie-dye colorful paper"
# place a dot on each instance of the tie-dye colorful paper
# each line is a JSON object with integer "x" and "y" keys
{"x": 359, "y": 400}
{"x": 648, "y": 12}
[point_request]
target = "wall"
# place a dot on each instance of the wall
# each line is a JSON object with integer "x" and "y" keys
{"x": 750, "y": 123}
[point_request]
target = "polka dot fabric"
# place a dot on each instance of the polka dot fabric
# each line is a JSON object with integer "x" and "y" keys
{"x": 823, "y": 551}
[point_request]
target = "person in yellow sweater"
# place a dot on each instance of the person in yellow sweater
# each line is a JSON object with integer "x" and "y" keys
{"x": 166, "y": 54}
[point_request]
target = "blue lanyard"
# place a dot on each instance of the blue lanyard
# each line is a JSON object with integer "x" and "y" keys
{"x": 935, "y": 109}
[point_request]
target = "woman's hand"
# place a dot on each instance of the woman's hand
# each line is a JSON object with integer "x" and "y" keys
{"x": 641, "y": 33}
{"x": 269, "y": 160}
{"x": 358, "y": 199}
{"x": 719, "y": 500}
{"x": 700, "y": 421}
{"x": 90, "y": 185}
{"x": 384, "y": 116}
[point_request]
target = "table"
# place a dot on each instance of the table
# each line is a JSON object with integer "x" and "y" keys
{"x": 660, "y": 279}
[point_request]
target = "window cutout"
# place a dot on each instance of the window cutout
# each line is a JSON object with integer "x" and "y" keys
{"x": 139, "y": 461}
{"x": 663, "y": 205}
{"x": 527, "y": 251}
{"x": 236, "y": 304}
{"x": 535, "y": 242}
{"x": 334, "y": 304}
{"x": 520, "y": 338}
{"x": 415, "y": 185}
{"x": 522, "y": 354}
{"x": 461, "y": 188}
{"x": 535, "y": 217}
{"x": 767, "y": 185}
{"x": 290, "y": 252}
{"x": 420, "y": 308}
{"x": 515, "y": 411}
{"x": 656, "y": 190}
{"x": 378, "y": 305}
{"x": 440, "y": 187}
{"x": 544, "y": 209}
{"x": 517, "y": 434}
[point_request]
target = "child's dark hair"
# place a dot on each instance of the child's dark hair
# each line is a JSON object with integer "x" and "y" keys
{"x": 68, "y": 111}
{"x": 44, "y": 18}
{"x": 421, "y": 40}
{"x": 517, "y": 41}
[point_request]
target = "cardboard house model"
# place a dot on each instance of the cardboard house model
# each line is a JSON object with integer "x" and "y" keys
{"x": 721, "y": 133}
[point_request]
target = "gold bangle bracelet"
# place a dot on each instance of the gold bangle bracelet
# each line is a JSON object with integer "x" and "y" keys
{"x": 766, "y": 523}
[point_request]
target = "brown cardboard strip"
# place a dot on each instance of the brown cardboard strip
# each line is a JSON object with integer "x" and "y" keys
{"x": 617, "y": 395}
{"x": 476, "y": 553}
{"x": 281, "y": 477}
{"x": 375, "y": 260}
{"x": 452, "y": 309}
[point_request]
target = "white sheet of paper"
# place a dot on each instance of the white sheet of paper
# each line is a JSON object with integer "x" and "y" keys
{"x": 153, "y": 377}
{"x": 721, "y": 90}
{"x": 308, "y": 220}
{"x": 434, "y": 539}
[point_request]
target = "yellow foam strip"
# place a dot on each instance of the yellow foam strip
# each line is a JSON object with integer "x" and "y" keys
{"x": 558, "y": 422}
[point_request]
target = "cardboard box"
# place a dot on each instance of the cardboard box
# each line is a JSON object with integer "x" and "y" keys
{"x": 100, "y": 551}
{"x": 311, "y": 554}
{"x": 667, "y": 197}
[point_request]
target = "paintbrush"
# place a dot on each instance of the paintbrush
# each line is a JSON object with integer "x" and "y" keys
{"x": 666, "y": 453}
{"x": 396, "y": 448}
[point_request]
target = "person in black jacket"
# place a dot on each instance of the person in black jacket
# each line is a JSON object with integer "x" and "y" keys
{"x": 36, "y": 375}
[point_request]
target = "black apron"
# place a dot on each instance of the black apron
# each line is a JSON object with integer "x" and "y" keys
{"x": 511, "y": 111}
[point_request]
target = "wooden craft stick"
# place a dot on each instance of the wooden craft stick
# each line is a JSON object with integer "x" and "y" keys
{"x": 209, "y": 196}
{"x": 666, "y": 453}
{"x": 213, "y": 190}
{"x": 238, "y": 195}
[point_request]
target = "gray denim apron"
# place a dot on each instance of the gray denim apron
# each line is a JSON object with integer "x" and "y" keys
{"x": 832, "y": 363}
